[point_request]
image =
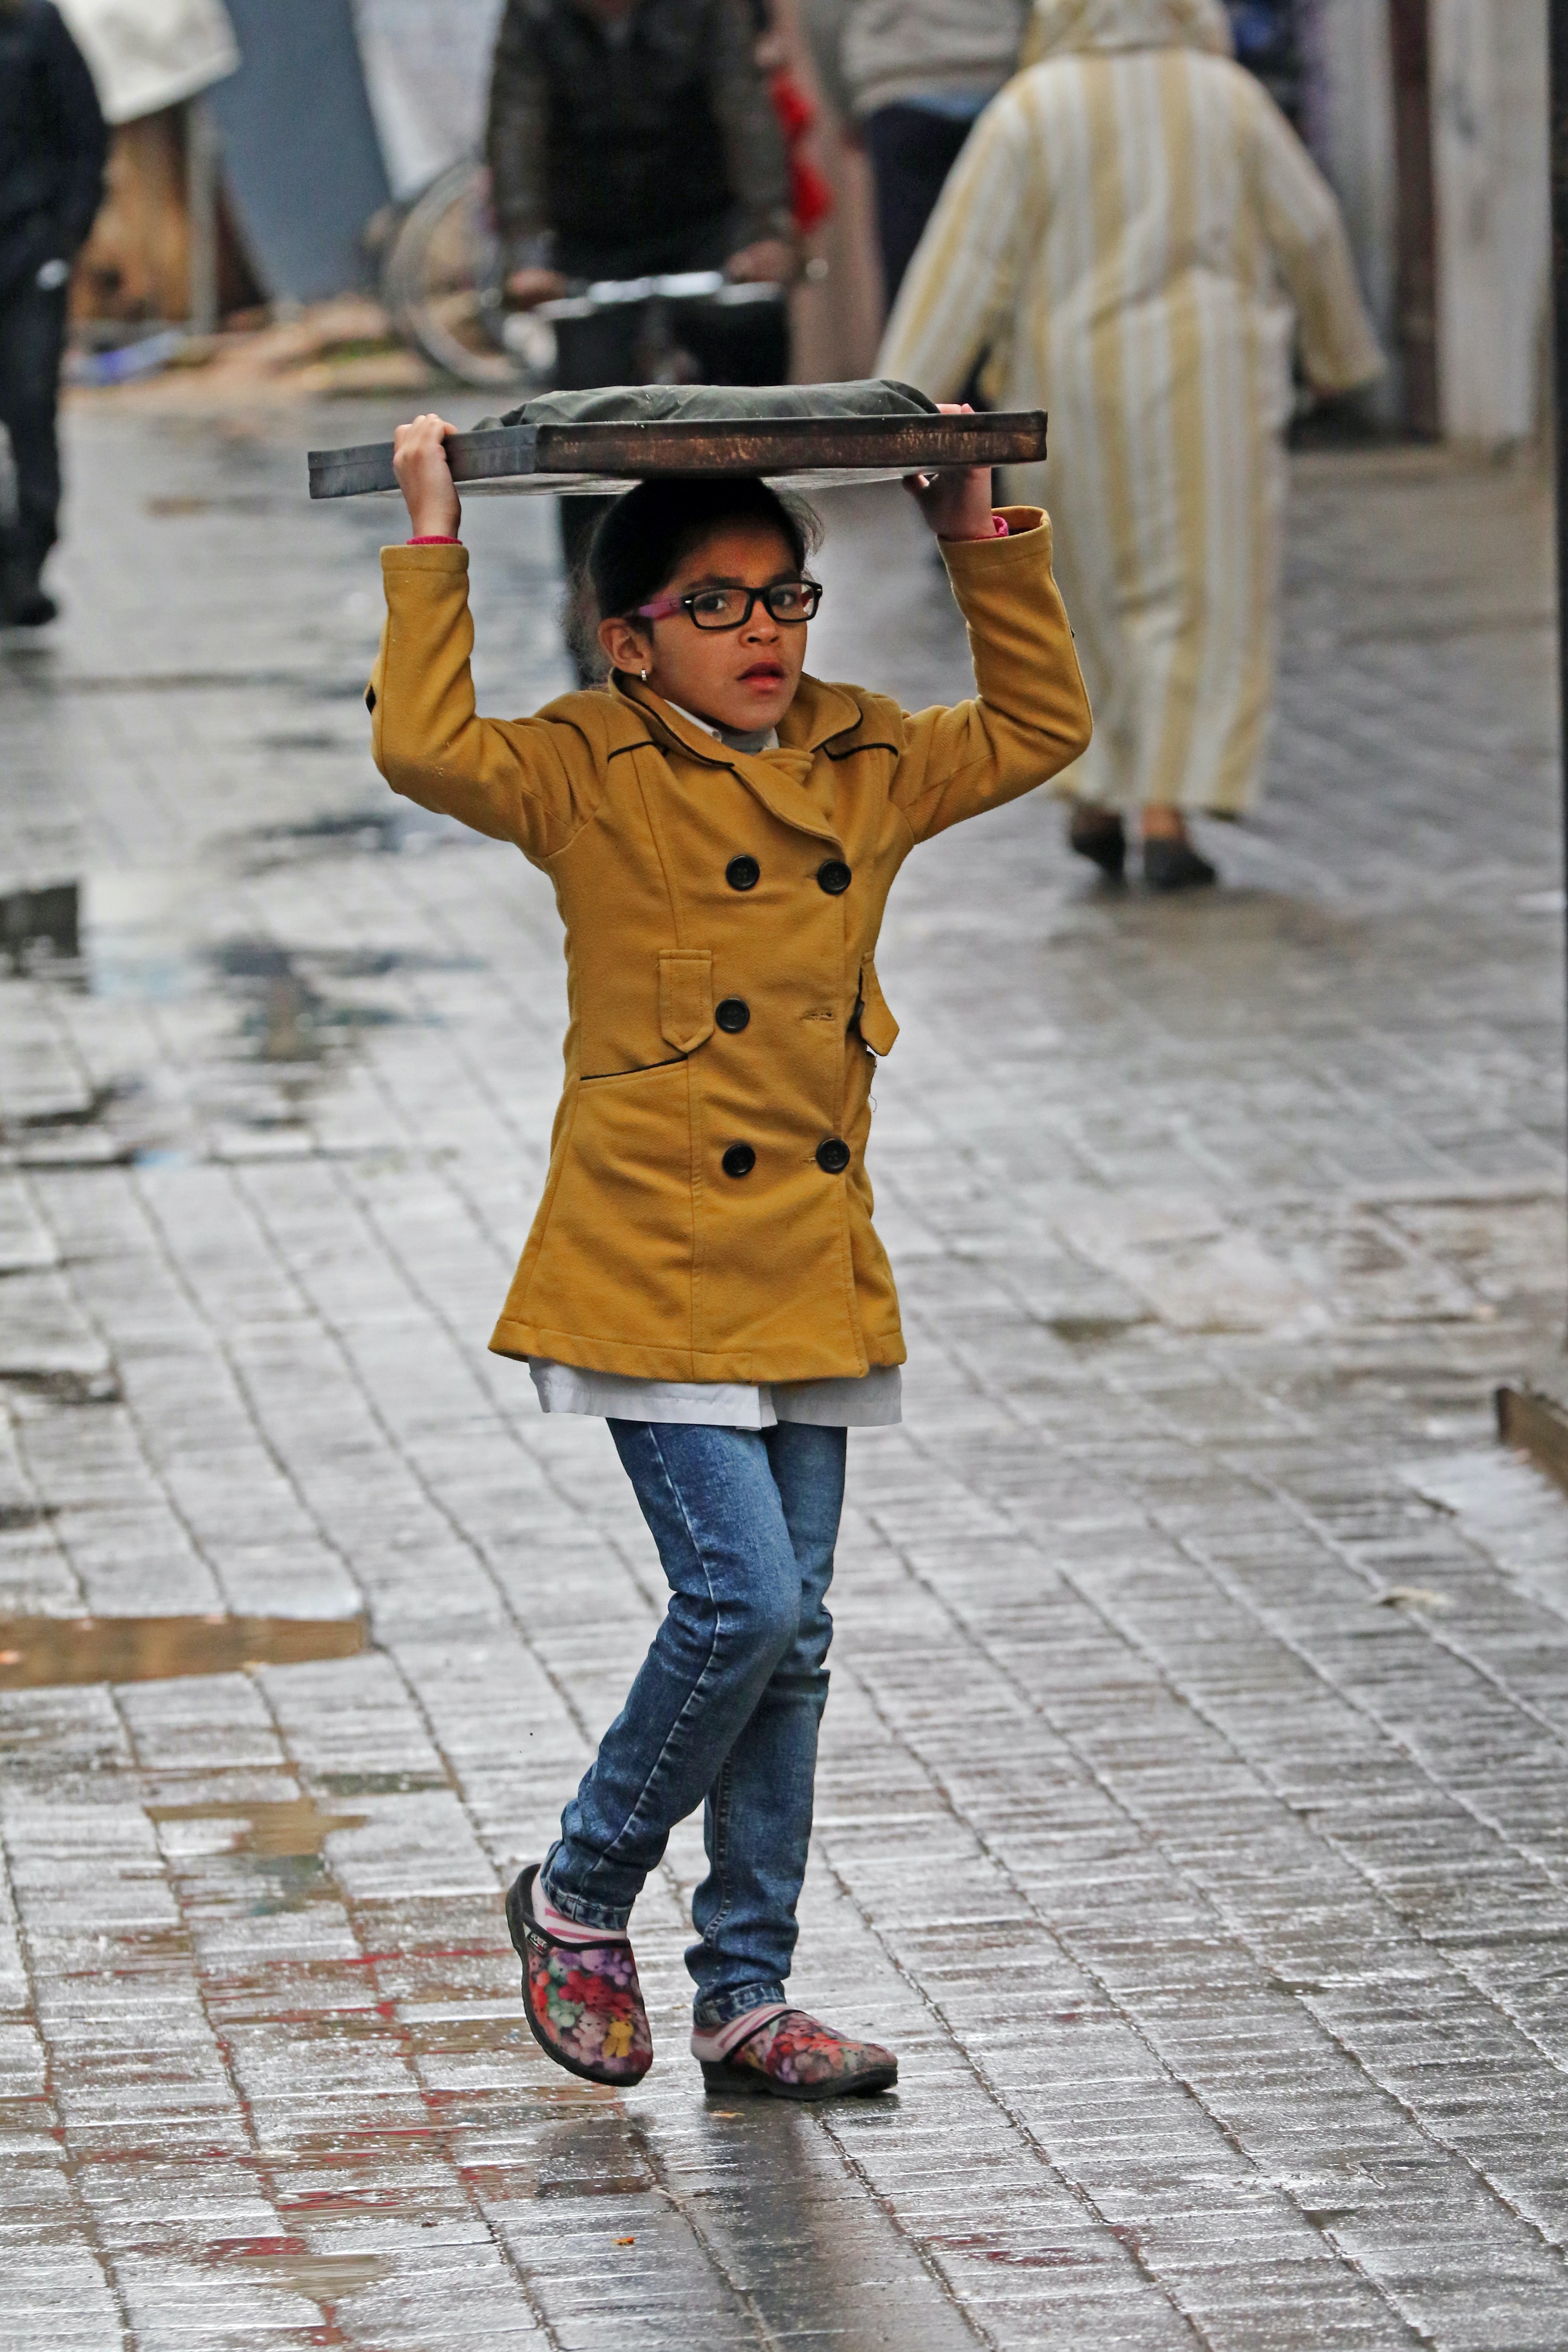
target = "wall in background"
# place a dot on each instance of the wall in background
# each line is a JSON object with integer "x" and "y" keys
{"x": 1490, "y": 124}
{"x": 428, "y": 69}
{"x": 301, "y": 159}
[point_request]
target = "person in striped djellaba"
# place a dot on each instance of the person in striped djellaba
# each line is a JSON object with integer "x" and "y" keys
{"x": 1137, "y": 238}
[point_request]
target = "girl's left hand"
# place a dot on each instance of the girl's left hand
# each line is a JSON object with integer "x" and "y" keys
{"x": 419, "y": 462}
{"x": 956, "y": 504}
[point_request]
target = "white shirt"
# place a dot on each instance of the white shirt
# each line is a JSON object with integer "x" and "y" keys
{"x": 874, "y": 1401}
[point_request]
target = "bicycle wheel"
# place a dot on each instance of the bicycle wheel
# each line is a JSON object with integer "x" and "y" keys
{"x": 441, "y": 282}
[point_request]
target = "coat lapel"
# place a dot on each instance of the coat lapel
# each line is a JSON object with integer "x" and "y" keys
{"x": 778, "y": 779}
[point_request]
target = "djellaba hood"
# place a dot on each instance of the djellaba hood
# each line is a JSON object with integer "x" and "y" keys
{"x": 1068, "y": 27}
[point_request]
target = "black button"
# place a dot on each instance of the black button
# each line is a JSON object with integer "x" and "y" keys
{"x": 742, "y": 873}
{"x": 833, "y": 875}
{"x": 740, "y": 1160}
{"x": 732, "y": 1013}
{"x": 833, "y": 1157}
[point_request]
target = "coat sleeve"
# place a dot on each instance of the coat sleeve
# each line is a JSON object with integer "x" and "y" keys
{"x": 1306, "y": 236}
{"x": 529, "y": 781}
{"x": 514, "y": 141}
{"x": 83, "y": 139}
{"x": 1031, "y": 717}
{"x": 960, "y": 293}
{"x": 754, "y": 151}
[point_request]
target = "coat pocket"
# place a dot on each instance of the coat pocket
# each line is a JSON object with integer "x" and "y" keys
{"x": 878, "y": 1026}
{"x": 686, "y": 997}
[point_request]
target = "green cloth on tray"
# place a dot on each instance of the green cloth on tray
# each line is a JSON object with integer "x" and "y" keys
{"x": 715, "y": 403}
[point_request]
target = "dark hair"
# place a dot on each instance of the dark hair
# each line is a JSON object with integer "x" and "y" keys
{"x": 642, "y": 539}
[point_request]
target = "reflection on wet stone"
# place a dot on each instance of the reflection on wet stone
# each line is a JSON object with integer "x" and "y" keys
{"x": 14, "y": 1517}
{"x": 279, "y": 1842}
{"x": 1216, "y": 1912}
{"x": 291, "y": 1020}
{"x": 68, "y": 1114}
{"x": 37, "y": 1652}
{"x": 34, "y": 919}
{"x": 64, "y": 1387}
{"x": 324, "y": 2279}
{"x": 403, "y": 828}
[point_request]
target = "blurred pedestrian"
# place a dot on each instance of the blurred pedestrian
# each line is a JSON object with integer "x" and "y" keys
{"x": 631, "y": 138}
{"x": 53, "y": 144}
{"x": 919, "y": 72}
{"x": 810, "y": 192}
{"x": 1134, "y": 232}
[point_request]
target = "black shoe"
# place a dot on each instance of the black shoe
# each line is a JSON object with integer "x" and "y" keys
{"x": 1176, "y": 866}
{"x": 24, "y": 602}
{"x": 28, "y": 608}
{"x": 1099, "y": 835}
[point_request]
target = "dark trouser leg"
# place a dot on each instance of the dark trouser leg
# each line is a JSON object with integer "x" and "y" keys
{"x": 32, "y": 338}
{"x": 757, "y": 1820}
{"x": 912, "y": 151}
{"x": 742, "y": 342}
{"x": 710, "y": 1498}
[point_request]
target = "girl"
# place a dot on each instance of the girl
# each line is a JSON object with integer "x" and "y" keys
{"x": 721, "y": 831}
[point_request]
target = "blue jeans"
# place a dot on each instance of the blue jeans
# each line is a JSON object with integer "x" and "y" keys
{"x": 725, "y": 1709}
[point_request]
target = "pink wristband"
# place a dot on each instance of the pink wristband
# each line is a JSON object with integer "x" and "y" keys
{"x": 441, "y": 540}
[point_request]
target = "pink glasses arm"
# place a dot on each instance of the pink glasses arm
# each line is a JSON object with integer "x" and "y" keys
{"x": 659, "y": 610}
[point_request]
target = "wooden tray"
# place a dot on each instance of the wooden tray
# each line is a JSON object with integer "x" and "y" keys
{"x": 515, "y": 459}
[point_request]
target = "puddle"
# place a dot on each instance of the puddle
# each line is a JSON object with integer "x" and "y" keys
{"x": 71, "y": 1134}
{"x": 286, "y": 1014}
{"x": 137, "y": 931}
{"x": 70, "y": 1115}
{"x": 279, "y": 1840}
{"x": 465, "y": 2029}
{"x": 150, "y": 934}
{"x": 168, "y": 509}
{"x": 47, "y": 919}
{"x": 62, "y": 1388}
{"x": 322, "y": 2279}
{"x": 382, "y": 829}
{"x": 381, "y": 1784}
{"x": 1095, "y": 1331}
{"x": 34, "y": 665}
{"x": 40, "y": 1653}
{"x": 288, "y": 1019}
{"x": 277, "y": 1829}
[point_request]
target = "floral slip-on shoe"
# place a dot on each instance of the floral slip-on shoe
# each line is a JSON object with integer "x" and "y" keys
{"x": 583, "y": 2003}
{"x": 791, "y": 2056}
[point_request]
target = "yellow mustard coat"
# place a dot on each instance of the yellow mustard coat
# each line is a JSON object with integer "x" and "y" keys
{"x": 706, "y": 1214}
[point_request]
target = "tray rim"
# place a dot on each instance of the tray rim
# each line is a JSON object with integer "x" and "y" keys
{"x": 625, "y": 448}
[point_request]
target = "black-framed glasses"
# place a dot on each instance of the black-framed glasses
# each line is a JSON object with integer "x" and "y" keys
{"x": 790, "y": 603}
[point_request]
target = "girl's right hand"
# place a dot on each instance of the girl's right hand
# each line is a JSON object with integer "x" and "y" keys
{"x": 419, "y": 461}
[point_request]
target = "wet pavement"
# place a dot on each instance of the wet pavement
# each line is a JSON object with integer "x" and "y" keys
{"x": 1194, "y": 1804}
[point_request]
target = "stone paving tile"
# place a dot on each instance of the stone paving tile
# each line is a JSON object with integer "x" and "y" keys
{"x": 1215, "y": 1900}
